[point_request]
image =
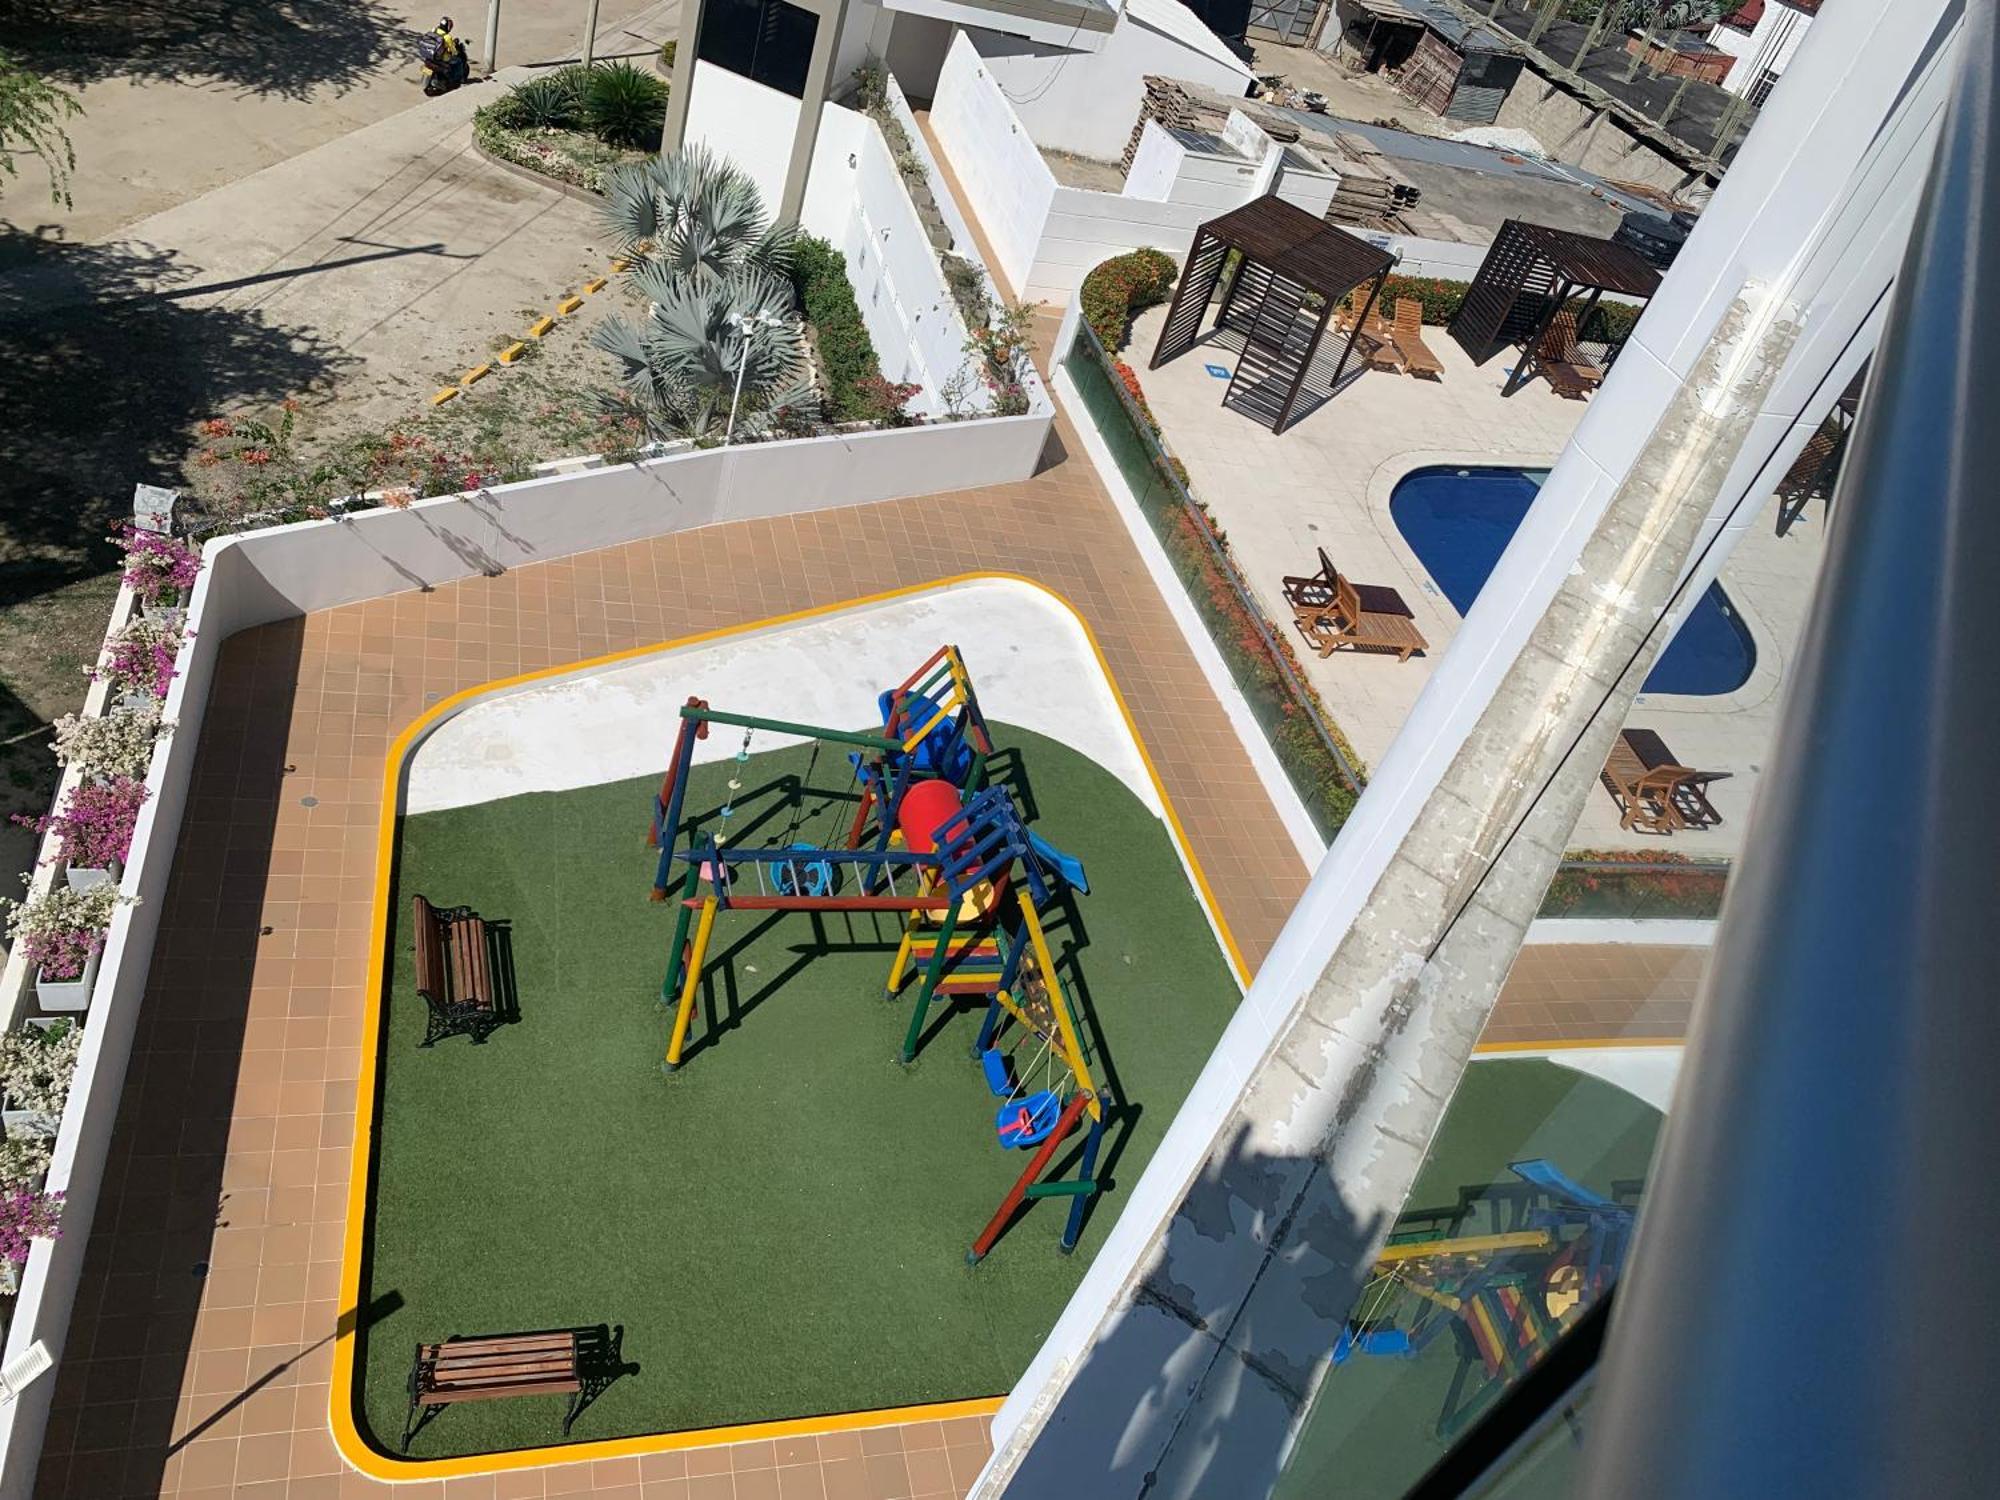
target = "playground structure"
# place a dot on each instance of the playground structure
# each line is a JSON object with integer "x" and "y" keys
{"x": 929, "y": 841}
{"x": 1506, "y": 1295}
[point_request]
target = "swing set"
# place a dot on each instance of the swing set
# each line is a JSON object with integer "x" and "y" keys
{"x": 929, "y": 841}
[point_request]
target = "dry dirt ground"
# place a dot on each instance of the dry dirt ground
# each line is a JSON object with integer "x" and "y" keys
{"x": 226, "y": 252}
{"x": 1367, "y": 97}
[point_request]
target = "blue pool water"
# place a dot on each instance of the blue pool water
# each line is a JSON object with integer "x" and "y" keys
{"x": 1459, "y": 521}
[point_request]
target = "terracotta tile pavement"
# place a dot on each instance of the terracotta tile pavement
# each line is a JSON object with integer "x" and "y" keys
{"x": 199, "y": 1359}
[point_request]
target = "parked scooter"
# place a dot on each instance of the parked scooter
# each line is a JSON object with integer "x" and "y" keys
{"x": 446, "y": 64}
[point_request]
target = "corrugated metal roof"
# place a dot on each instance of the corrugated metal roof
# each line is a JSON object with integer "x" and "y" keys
{"x": 1465, "y": 35}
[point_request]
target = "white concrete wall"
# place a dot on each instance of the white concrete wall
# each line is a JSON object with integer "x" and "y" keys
{"x": 291, "y": 570}
{"x": 1156, "y": 164}
{"x": 745, "y": 121}
{"x": 865, "y": 211}
{"x": 1088, "y": 103}
{"x": 1771, "y": 45}
{"x": 995, "y": 158}
{"x": 1085, "y": 229}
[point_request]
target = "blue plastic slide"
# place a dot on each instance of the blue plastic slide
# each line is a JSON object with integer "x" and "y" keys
{"x": 1066, "y": 865}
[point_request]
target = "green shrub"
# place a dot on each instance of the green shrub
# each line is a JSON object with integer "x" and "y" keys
{"x": 1440, "y": 299}
{"x": 624, "y": 105}
{"x": 667, "y": 54}
{"x": 552, "y": 101}
{"x": 1121, "y": 286}
{"x": 826, "y": 296}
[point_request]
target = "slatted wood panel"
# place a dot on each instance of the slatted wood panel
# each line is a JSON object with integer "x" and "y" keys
{"x": 1430, "y": 77}
{"x": 1268, "y": 308}
{"x": 1191, "y": 298}
{"x": 1495, "y": 288}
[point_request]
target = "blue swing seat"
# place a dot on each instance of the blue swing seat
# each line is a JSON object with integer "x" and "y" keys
{"x": 816, "y": 875}
{"x": 993, "y": 1062}
{"x": 1027, "y": 1122}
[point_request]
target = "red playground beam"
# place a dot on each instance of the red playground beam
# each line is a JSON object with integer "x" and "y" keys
{"x": 833, "y": 903}
{"x": 1071, "y": 1112}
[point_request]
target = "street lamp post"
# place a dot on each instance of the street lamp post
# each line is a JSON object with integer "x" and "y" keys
{"x": 743, "y": 326}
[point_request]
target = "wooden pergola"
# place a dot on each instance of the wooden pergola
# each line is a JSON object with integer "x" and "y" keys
{"x": 1291, "y": 272}
{"x": 1529, "y": 275}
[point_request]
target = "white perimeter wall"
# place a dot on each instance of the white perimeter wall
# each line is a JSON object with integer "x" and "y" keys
{"x": 1779, "y": 31}
{"x": 745, "y": 121}
{"x": 291, "y": 570}
{"x": 865, "y": 211}
{"x": 855, "y": 199}
{"x": 1088, "y": 102}
{"x": 1045, "y": 236}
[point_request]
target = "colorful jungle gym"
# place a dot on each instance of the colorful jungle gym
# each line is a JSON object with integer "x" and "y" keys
{"x": 973, "y": 883}
{"x": 1505, "y": 1295}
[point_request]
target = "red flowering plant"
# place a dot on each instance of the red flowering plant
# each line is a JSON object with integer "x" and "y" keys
{"x": 160, "y": 569}
{"x": 1003, "y": 347}
{"x": 140, "y": 656}
{"x": 884, "y": 399}
{"x": 27, "y": 1215}
{"x": 94, "y": 828}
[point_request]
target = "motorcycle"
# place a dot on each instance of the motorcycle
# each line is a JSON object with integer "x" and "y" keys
{"x": 445, "y": 68}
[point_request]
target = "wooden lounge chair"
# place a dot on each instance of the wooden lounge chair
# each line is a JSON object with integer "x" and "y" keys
{"x": 1330, "y": 612}
{"x": 1656, "y": 793}
{"x": 1407, "y": 334}
{"x": 1569, "y": 372}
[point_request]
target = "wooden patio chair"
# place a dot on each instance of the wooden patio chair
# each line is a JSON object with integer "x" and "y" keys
{"x": 1330, "y": 612}
{"x": 1407, "y": 334}
{"x": 1656, "y": 793}
{"x": 1569, "y": 372}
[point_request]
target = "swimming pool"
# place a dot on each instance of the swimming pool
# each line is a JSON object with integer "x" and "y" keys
{"x": 1459, "y": 521}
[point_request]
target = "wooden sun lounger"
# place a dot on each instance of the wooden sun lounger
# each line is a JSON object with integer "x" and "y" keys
{"x": 1654, "y": 792}
{"x": 1330, "y": 612}
{"x": 1569, "y": 373}
{"x": 1407, "y": 334}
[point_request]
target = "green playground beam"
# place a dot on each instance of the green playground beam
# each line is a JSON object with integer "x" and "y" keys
{"x": 1061, "y": 1189}
{"x": 783, "y": 726}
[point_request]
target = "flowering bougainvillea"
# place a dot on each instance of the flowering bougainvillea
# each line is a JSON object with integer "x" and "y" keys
{"x": 27, "y": 1216}
{"x": 159, "y": 569}
{"x": 60, "y": 930}
{"x": 139, "y": 657}
{"x": 119, "y": 743}
{"x": 94, "y": 827}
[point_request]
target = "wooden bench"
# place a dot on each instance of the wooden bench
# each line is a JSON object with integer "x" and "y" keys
{"x": 1332, "y": 612}
{"x": 487, "y": 1369}
{"x": 1654, "y": 792}
{"x": 454, "y": 971}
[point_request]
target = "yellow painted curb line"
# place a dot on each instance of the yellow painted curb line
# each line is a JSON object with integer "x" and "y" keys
{"x": 592, "y": 288}
{"x": 475, "y": 374}
{"x": 541, "y": 328}
{"x": 569, "y": 305}
{"x": 352, "y": 1447}
{"x": 512, "y": 352}
{"x": 444, "y": 395}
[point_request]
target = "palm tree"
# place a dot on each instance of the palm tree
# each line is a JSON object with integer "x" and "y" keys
{"x": 722, "y": 314}
{"x": 695, "y": 213}
{"x": 680, "y": 369}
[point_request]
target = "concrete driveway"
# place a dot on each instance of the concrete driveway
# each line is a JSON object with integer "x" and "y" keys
{"x": 182, "y": 96}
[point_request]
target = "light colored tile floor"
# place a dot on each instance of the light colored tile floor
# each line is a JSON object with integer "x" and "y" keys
{"x": 1326, "y": 482}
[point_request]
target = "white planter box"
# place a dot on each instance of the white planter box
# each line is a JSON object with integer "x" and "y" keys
{"x": 20, "y": 1122}
{"x": 67, "y": 994}
{"x": 83, "y": 877}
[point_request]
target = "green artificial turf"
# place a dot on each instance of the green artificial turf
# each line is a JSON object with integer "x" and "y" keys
{"x": 1375, "y": 1426}
{"x": 781, "y": 1226}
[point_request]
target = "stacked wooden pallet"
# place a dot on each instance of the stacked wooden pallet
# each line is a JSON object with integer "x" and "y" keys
{"x": 1170, "y": 104}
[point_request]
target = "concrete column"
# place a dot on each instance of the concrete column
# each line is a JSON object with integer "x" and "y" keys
{"x": 819, "y": 84}
{"x": 681, "y": 86}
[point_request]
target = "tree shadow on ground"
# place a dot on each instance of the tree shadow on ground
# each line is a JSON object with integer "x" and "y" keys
{"x": 282, "y": 48}
{"x": 104, "y": 373}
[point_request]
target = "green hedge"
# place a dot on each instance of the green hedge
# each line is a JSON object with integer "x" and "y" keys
{"x": 826, "y": 296}
{"x": 1121, "y": 286}
{"x": 1440, "y": 299}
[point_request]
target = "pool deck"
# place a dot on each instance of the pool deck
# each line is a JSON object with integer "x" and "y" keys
{"x": 1326, "y": 483}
